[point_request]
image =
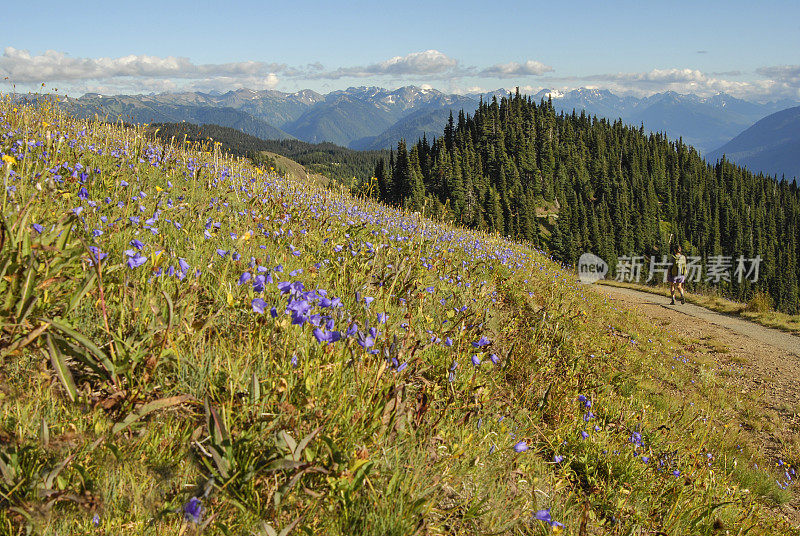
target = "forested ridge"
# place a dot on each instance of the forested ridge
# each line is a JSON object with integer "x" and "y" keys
{"x": 328, "y": 159}
{"x": 617, "y": 191}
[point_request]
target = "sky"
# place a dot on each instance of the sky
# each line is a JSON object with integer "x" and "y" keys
{"x": 750, "y": 49}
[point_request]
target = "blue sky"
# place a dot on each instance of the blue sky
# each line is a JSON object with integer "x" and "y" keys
{"x": 748, "y": 49}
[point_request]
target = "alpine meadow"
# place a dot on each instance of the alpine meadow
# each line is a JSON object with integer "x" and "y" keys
{"x": 193, "y": 344}
{"x": 438, "y": 269}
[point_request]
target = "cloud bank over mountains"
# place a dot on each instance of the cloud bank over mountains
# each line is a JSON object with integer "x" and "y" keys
{"x": 145, "y": 73}
{"x": 429, "y": 63}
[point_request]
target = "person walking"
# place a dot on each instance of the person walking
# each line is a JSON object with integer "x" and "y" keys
{"x": 677, "y": 273}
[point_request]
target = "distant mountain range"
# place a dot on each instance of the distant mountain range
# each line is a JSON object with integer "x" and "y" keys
{"x": 375, "y": 118}
{"x": 704, "y": 123}
{"x": 171, "y": 108}
{"x": 772, "y": 145}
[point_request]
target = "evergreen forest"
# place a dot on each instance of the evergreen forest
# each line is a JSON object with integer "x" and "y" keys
{"x": 579, "y": 184}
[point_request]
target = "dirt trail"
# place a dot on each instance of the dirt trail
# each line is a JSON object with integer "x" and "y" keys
{"x": 658, "y": 307}
{"x": 770, "y": 357}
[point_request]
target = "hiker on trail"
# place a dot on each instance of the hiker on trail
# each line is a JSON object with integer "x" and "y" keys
{"x": 677, "y": 273}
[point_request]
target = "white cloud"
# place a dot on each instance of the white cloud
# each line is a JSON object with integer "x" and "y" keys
{"x": 656, "y": 77}
{"x": 132, "y": 71}
{"x": 512, "y": 69}
{"x": 776, "y": 82}
{"x": 429, "y": 63}
{"x": 782, "y": 73}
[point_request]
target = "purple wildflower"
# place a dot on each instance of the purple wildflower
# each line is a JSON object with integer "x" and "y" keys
{"x": 483, "y": 341}
{"x": 366, "y": 340}
{"x": 284, "y": 287}
{"x": 326, "y": 336}
{"x": 97, "y": 255}
{"x": 193, "y": 511}
{"x": 258, "y": 305}
{"x": 136, "y": 260}
{"x": 258, "y": 283}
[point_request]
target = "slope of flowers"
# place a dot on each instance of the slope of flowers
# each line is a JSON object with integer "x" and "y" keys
{"x": 193, "y": 344}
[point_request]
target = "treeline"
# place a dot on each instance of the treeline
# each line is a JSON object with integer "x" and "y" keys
{"x": 333, "y": 161}
{"x": 232, "y": 141}
{"x": 617, "y": 191}
{"x": 327, "y": 159}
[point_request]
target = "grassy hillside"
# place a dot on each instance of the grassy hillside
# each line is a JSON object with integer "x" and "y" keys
{"x": 190, "y": 344}
{"x": 332, "y": 161}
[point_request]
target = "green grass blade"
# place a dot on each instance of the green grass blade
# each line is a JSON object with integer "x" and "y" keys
{"x": 78, "y": 296}
{"x": 86, "y": 343}
{"x": 62, "y": 370}
{"x": 298, "y": 451}
{"x": 26, "y": 287}
{"x": 63, "y": 238}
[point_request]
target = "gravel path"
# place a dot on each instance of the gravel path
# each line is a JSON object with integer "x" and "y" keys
{"x": 779, "y": 340}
